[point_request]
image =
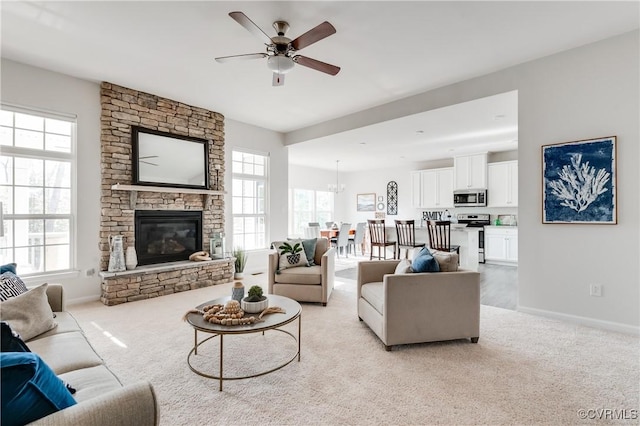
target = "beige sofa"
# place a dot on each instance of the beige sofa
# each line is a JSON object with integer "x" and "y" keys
{"x": 305, "y": 283}
{"x": 418, "y": 307}
{"x": 102, "y": 399}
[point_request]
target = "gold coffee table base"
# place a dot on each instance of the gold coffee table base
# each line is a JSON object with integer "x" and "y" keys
{"x": 272, "y": 322}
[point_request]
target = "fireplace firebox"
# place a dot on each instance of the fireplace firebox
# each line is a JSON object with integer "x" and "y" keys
{"x": 167, "y": 235}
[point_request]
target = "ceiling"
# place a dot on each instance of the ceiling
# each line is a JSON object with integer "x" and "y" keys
{"x": 387, "y": 51}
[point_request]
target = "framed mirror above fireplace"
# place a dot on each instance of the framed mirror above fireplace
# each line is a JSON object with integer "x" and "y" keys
{"x": 165, "y": 159}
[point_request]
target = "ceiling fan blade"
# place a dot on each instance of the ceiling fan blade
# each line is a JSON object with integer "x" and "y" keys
{"x": 316, "y": 65}
{"x": 241, "y": 57}
{"x": 243, "y": 20}
{"x": 313, "y": 35}
{"x": 278, "y": 79}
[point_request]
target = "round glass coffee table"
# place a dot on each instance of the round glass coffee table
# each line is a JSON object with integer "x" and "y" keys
{"x": 271, "y": 322}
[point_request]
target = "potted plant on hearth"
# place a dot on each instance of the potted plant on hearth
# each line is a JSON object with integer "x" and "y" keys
{"x": 240, "y": 262}
{"x": 255, "y": 301}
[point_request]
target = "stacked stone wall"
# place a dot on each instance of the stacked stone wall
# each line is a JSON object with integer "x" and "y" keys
{"x": 122, "y": 108}
{"x": 132, "y": 287}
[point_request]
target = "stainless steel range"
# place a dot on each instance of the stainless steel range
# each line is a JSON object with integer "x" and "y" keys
{"x": 477, "y": 221}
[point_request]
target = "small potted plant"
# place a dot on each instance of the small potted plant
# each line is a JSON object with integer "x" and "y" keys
{"x": 255, "y": 301}
{"x": 240, "y": 262}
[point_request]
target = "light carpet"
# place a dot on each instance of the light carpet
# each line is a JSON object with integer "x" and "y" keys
{"x": 524, "y": 370}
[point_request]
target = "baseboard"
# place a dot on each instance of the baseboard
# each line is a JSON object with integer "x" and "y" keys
{"x": 590, "y": 322}
{"x": 85, "y": 299}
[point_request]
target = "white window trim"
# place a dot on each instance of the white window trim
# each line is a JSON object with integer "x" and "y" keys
{"x": 267, "y": 180}
{"x": 72, "y": 271}
{"x": 290, "y": 224}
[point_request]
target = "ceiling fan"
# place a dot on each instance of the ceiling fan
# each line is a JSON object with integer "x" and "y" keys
{"x": 281, "y": 50}
{"x": 142, "y": 160}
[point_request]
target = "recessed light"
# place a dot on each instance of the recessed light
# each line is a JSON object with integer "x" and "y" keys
{"x": 419, "y": 132}
{"x": 363, "y": 143}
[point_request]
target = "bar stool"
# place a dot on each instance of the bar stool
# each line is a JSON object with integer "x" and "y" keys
{"x": 440, "y": 236}
{"x": 406, "y": 233}
{"x": 378, "y": 236}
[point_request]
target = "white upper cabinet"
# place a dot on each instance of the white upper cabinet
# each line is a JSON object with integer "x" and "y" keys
{"x": 416, "y": 189}
{"x": 437, "y": 188}
{"x": 503, "y": 184}
{"x": 470, "y": 172}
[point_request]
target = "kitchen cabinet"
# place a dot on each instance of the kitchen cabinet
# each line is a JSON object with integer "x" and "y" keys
{"x": 416, "y": 189}
{"x": 501, "y": 243}
{"x": 503, "y": 184}
{"x": 437, "y": 188}
{"x": 432, "y": 188}
{"x": 470, "y": 171}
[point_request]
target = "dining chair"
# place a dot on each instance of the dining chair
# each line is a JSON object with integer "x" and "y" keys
{"x": 314, "y": 224}
{"x": 406, "y": 235}
{"x": 329, "y": 225}
{"x": 312, "y": 231}
{"x": 378, "y": 235}
{"x": 341, "y": 241}
{"x": 440, "y": 236}
{"x": 358, "y": 238}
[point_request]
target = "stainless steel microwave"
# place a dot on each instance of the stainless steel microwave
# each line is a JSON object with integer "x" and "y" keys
{"x": 470, "y": 198}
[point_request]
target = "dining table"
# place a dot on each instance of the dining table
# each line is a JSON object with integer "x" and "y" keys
{"x": 333, "y": 233}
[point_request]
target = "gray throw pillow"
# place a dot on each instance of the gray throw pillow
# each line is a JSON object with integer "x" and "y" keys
{"x": 447, "y": 261}
{"x": 404, "y": 267}
{"x": 29, "y": 314}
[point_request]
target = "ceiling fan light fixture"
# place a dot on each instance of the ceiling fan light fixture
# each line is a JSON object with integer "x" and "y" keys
{"x": 280, "y": 64}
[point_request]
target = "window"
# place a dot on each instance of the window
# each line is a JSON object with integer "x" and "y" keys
{"x": 249, "y": 200}
{"x": 37, "y": 176}
{"x": 309, "y": 206}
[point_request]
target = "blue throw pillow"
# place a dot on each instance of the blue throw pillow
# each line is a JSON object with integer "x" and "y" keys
{"x": 29, "y": 389}
{"x": 9, "y": 267}
{"x": 425, "y": 262}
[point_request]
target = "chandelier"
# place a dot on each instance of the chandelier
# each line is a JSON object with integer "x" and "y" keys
{"x": 336, "y": 187}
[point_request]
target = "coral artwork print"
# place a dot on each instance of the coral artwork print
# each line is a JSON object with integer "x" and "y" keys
{"x": 579, "y": 182}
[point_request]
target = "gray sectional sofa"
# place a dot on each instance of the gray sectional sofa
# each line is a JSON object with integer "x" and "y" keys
{"x": 102, "y": 398}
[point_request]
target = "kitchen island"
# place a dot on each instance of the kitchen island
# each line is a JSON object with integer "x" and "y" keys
{"x": 467, "y": 238}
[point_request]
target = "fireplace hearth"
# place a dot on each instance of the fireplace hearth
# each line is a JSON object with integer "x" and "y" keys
{"x": 167, "y": 235}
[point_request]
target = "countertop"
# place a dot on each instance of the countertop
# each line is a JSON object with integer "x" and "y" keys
{"x": 453, "y": 229}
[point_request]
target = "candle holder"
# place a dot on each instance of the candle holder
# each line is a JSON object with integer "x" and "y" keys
{"x": 216, "y": 245}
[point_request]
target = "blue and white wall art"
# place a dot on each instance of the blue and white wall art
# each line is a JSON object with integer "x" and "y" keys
{"x": 579, "y": 182}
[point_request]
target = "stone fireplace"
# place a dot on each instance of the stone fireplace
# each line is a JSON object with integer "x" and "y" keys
{"x": 161, "y": 266}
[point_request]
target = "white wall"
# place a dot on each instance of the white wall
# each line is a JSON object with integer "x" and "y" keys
{"x": 583, "y": 93}
{"x": 261, "y": 141}
{"x": 28, "y": 86}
